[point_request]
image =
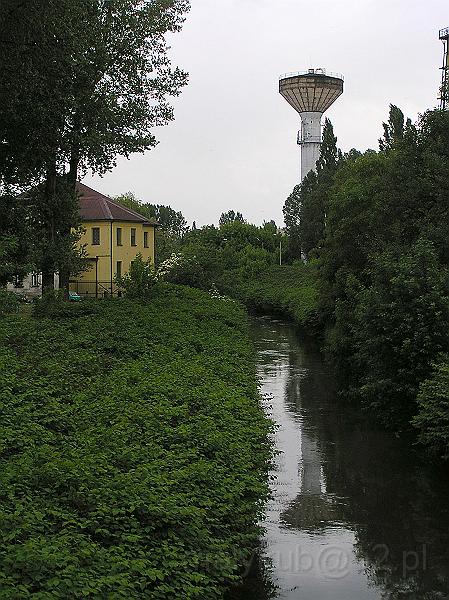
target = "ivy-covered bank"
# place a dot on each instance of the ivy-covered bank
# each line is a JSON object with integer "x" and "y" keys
{"x": 133, "y": 449}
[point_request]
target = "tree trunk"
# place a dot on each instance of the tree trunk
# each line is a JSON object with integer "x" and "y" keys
{"x": 72, "y": 176}
{"x": 48, "y": 265}
{"x": 48, "y": 279}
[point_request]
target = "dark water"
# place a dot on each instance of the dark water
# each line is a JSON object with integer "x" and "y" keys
{"x": 357, "y": 514}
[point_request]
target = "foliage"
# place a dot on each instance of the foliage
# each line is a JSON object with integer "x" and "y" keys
{"x": 292, "y": 219}
{"x": 182, "y": 269}
{"x": 82, "y": 82}
{"x": 290, "y": 291}
{"x": 393, "y": 129}
{"x": 9, "y": 302}
{"x": 172, "y": 224}
{"x": 432, "y": 418}
{"x": 133, "y": 464}
{"x": 230, "y": 217}
{"x": 109, "y": 77}
{"x": 383, "y": 265}
{"x": 306, "y": 208}
{"x": 52, "y": 305}
{"x": 209, "y": 252}
{"x": 54, "y": 230}
{"x": 15, "y": 251}
{"x": 139, "y": 280}
{"x": 397, "y": 326}
{"x": 241, "y": 260}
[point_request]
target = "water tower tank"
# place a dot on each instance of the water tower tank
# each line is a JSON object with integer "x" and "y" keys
{"x": 310, "y": 93}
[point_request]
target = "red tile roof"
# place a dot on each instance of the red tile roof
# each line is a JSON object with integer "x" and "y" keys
{"x": 98, "y": 207}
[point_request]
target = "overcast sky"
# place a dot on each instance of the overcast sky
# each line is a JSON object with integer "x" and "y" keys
{"x": 233, "y": 142}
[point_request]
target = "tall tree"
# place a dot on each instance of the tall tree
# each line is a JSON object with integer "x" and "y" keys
{"x": 384, "y": 264}
{"x": 292, "y": 220}
{"x": 315, "y": 193}
{"x": 329, "y": 153}
{"x": 172, "y": 224}
{"x": 230, "y": 217}
{"x": 394, "y": 128}
{"x": 15, "y": 254}
{"x": 87, "y": 80}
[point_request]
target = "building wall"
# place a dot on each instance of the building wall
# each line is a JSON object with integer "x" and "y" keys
{"x": 99, "y": 255}
{"x": 97, "y": 280}
{"x": 30, "y": 286}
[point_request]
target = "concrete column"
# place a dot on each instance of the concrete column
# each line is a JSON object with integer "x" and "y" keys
{"x": 309, "y": 139}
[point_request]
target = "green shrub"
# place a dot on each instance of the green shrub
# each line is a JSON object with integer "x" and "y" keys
{"x": 9, "y": 302}
{"x": 396, "y": 327}
{"x": 139, "y": 280}
{"x": 432, "y": 420}
{"x": 290, "y": 291}
{"x": 182, "y": 269}
{"x": 133, "y": 450}
{"x": 52, "y": 305}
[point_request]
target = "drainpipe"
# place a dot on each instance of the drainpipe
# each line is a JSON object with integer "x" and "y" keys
{"x": 111, "y": 261}
{"x": 96, "y": 277}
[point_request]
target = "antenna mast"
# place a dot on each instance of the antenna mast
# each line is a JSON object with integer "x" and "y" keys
{"x": 444, "y": 90}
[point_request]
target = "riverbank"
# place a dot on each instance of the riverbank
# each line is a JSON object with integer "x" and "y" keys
{"x": 288, "y": 291}
{"x": 134, "y": 450}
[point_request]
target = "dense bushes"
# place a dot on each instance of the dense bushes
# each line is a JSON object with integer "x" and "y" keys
{"x": 290, "y": 291}
{"x": 384, "y": 265}
{"x": 133, "y": 450}
{"x": 9, "y": 302}
{"x": 242, "y": 261}
{"x": 432, "y": 419}
{"x": 391, "y": 330}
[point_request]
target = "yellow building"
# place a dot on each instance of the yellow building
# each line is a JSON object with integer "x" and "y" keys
{"x": 113, "y": 237}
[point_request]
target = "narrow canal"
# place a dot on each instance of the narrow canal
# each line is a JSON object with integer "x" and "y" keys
{"x": 356, "y": 513}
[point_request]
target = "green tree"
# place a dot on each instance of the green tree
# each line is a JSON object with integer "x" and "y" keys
{"x": 401, "y": 325}
{"x": 292, "y": 220}
{"x": 15, "y": 252}
{"x": 138, "y": 282}
{"x": 315, "y": 190}
{"x": 329, "y": 153}
{"x": 432, "y": 419}
{"x": 230, "y": 217}
{"x": 384, "y": 265}
{"x": 172, "y": 224}
{"x": 101, "y": 75}
{"x": 54, "y": 240}
{"x": 394, "y": 129}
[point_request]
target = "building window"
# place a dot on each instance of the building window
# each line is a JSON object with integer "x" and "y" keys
{"x": 95, "y": 236}
{"x": 119, "y": 236}
{"x": 34, "y": 279}
{"x": 145, "y": 239}
{"x": 118, "y": 270}
{"x": 133, "y": 236}
{"x": 17, "y": 281}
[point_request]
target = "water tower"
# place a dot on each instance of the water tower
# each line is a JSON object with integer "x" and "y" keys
{"x": 310, "y": 93}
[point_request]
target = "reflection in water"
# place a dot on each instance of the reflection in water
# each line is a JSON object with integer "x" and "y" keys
{"x": 356, "y": 513}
